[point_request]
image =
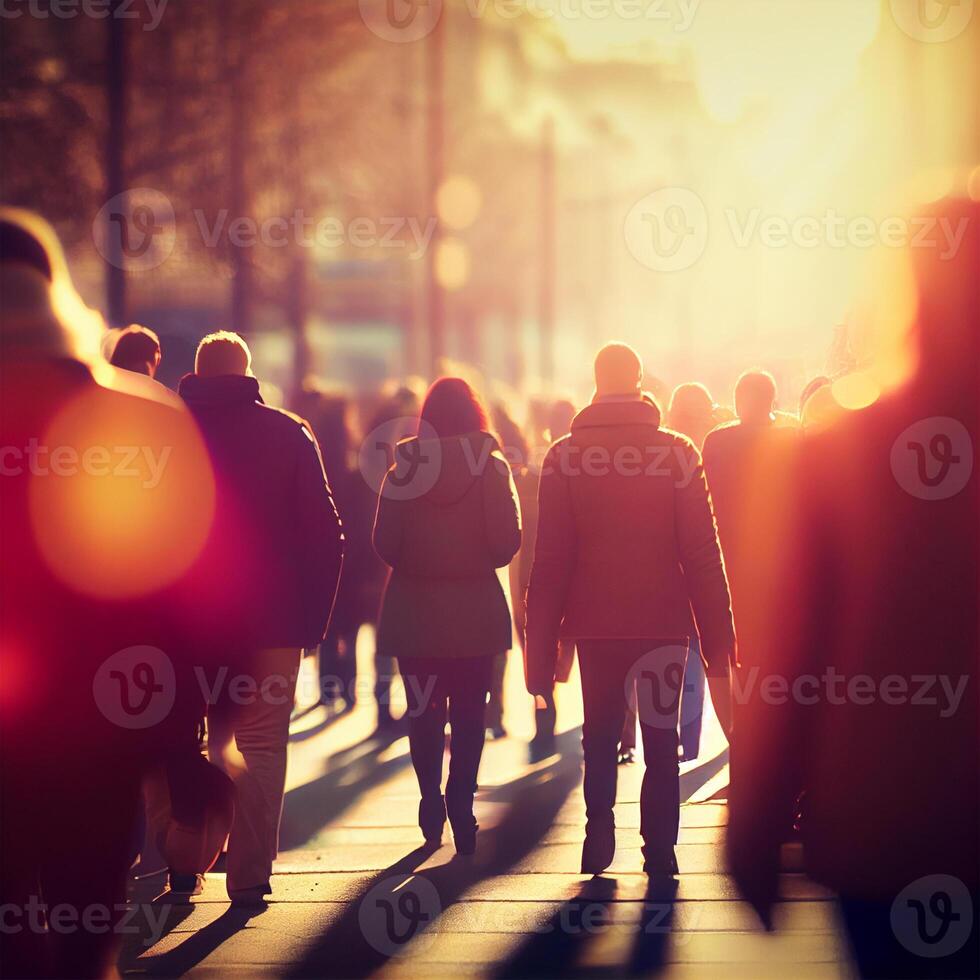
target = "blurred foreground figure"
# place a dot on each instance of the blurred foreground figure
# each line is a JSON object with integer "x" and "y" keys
{"x": 270, "y": 574}
{"x": 94, "y": 534}
{"x": 872, "y": 640}
{"x": 448, "y": 518}
{"x": 626, "y": 546}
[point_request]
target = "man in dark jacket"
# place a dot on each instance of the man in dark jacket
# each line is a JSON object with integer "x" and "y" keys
{"x": 626, "y": 547}
{"x": 270, "y": 573}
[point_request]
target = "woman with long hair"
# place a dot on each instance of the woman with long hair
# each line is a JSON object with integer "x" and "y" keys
{"x": 447, "y": 519}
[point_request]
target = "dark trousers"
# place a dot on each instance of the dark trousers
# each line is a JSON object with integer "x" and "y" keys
{"x": 437, "y": 689}
{"x": 610, "y": 671}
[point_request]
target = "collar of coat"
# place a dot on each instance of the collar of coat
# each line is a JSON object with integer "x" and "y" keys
{"x": 223, "y": 389}
{"x": 606, "y": 413}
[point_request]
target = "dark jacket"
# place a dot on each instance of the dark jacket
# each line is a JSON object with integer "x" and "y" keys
{"x": 626, "y": 541}
{"x": 447, "y": 519}
{"x": 273, "y": 559}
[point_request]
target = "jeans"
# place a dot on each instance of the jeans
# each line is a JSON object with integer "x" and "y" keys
{"x": 257, "y": 718}
{"x": 610, "y": 669}
{"x": 438, "y": 688}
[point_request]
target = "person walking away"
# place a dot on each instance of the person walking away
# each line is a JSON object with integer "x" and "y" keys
{"x": 447, "y": 519}
{"x": 270, "y": 573}
{"x": 625, "y": 549}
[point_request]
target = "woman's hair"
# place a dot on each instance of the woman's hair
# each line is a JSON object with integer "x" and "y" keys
{"x": 452, "y": 408}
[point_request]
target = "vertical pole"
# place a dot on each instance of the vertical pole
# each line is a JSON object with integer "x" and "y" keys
{"x": 237, "y": 148}
{"x": 546, "y": 282}
{"x": 435, "y": 119}
{"x": 115, "y": 157}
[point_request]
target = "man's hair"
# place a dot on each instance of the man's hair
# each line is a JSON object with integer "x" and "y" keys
{"x": 136, "y": 348}
{"x": 222, "y": 352}
{"x": 755, "y": 394}
{"x": 618, "y": 370}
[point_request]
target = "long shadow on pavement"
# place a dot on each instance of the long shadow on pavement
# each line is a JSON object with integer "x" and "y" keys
{"x": 554, "y": 948}
{"x": 350, "y": 773}
{"x": 396, "y": 908}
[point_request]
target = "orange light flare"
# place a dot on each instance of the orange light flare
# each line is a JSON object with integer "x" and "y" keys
{"x": 122, "y": 495}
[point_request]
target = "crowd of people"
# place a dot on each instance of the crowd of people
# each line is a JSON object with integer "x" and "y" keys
{"x": 155, "y": 616}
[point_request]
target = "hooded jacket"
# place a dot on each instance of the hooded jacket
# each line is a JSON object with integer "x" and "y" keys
{"x": 272, "y": 562}
{"x": 626, "y": 541}
{"x": 447, "y": 518}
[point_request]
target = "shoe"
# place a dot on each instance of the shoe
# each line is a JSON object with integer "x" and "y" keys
{"x": 250, "y": 898}
{"x": 186, "y": 885}
{"x": 541, "y": 747}
{"x": 496, "y": 731}
{"x": 598, "y": 849}
{"x": 660, "y": 862}
{"x": 464, "y": 824}
{"x": 432, "y": 818}
{"x": 627, "y": 757}
{"x": 464, "y": 837}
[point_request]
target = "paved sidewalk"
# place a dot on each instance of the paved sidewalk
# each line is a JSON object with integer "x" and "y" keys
{"x": 355, "y": 895}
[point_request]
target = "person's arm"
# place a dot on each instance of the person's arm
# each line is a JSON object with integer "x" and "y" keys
{"x": 501, "y": 511}
{"x": 704, "y": 570}
{"x": 554, "y": 557}
{"x": 320, "y": 536}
